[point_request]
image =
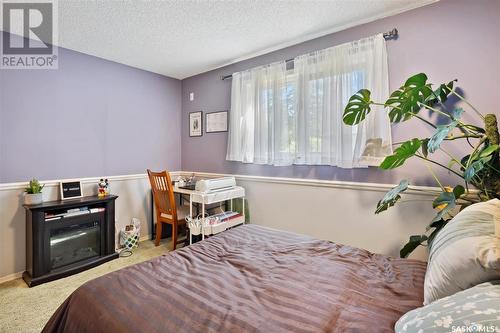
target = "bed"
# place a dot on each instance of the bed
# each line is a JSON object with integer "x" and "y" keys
{"x": 249, "y": 279}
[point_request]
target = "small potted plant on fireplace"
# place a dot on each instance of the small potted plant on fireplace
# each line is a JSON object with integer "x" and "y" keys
{"x": 33, "y": 193}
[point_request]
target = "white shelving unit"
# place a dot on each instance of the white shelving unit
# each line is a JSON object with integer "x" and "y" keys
{"x": 211, "y": 198}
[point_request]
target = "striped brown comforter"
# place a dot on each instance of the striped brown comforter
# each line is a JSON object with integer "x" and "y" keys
{"x": 249, "y": 279}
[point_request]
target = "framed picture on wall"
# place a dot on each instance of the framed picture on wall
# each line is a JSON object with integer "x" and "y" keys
{"x": 196, "y": 123}
{"x": 216, "y": 122}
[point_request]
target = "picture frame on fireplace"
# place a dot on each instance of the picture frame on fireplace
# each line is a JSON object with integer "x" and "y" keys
{"x": 71, "y": 189}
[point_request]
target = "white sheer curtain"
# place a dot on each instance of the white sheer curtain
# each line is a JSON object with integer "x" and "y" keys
{"x": 282, "y": 117}
{"x": 260, "y": 127}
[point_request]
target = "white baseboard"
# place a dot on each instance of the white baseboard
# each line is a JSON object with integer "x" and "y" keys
{"x": 145, "y": 238}
{"x": 11, "y": 277}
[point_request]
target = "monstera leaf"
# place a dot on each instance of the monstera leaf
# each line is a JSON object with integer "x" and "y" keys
{"x": 442, "y": 131}
{"x": 445, "y": 198}
{"x": 487, "y": 151}
{"x": 432, "y": 144}
{"x": 357, "y": 108}
{"x": 414, "y": 242}
{"x": 458, "y": 191}
{"x": 401, "y": 154}
{"x": 475, "y": 167}
{"x": 441, "y": 93}
{"x": 406, "y": 100}
{"x": 392, "y": 196}
{"x": 435, "y": 224}
{"x": 446, "y": 201}
{"x": 478, "y": 161}
{"x": 438, "y": 225}
{"x": 424, "y": 144}
{"x": 457, "y": 113}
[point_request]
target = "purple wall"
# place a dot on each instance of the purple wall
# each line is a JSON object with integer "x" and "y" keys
{"x": 91, "y": 117}
{"x": 447, "y": 40}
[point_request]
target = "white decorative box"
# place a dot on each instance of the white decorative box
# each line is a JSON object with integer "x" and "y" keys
{"x": 219, "y": 227}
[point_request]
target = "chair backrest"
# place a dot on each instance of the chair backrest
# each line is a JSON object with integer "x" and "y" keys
{"x": 163, "y": 193}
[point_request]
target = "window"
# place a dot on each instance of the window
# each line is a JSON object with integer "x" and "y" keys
{"x": 283, "y": 116}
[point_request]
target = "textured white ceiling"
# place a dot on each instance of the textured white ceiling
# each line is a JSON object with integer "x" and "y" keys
{"x": 183, "y": 38}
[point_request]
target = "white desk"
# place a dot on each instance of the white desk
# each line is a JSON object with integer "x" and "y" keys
{"x": 214, "y": 197}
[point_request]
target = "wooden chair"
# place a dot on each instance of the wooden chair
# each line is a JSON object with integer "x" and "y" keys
{"x": 166, "y": 208}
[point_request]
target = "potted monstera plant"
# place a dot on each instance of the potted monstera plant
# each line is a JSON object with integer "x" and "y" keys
{"x": 33, "y": 193}
{"x": 478, "y": 170}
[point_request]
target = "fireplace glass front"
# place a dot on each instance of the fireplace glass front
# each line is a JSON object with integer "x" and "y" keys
{"x": 74, "y": 243}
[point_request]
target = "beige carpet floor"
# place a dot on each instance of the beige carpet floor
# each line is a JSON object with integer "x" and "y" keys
{"x": 24, "y": 309}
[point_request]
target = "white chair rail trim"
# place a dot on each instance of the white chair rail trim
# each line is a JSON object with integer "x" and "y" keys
{"x": 423, "y": 190}
{"x": 88, "y": 180}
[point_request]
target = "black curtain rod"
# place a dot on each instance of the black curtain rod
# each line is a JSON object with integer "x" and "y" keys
{"x": 393, "y": 34}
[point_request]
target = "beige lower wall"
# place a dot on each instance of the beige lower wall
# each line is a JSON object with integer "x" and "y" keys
{"x": 337, "y": 211}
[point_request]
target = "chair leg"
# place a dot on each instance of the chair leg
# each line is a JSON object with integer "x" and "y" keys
{"x": 174, "y": 234}
{"x": 158, "y": 233}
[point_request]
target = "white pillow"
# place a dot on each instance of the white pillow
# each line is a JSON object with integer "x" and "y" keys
{"x": 466, "y": 252}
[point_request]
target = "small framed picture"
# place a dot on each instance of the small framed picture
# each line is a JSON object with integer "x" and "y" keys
{"x": 71, "y": 189}
{"x": 216, "y": 122}
{"x": 196, "y": 123}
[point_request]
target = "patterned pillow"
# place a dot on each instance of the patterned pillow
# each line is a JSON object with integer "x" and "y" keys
{"x": 465, "y": 253}
{"x": 476, "y": 309}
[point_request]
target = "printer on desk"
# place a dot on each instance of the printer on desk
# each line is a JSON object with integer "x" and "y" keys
{"x": 215, "y": 184}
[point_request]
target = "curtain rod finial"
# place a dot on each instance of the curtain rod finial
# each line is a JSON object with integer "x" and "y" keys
{"x": 393, "y": 34}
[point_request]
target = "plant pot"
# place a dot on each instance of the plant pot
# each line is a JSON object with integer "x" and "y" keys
{"x": 33, "y": 199}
